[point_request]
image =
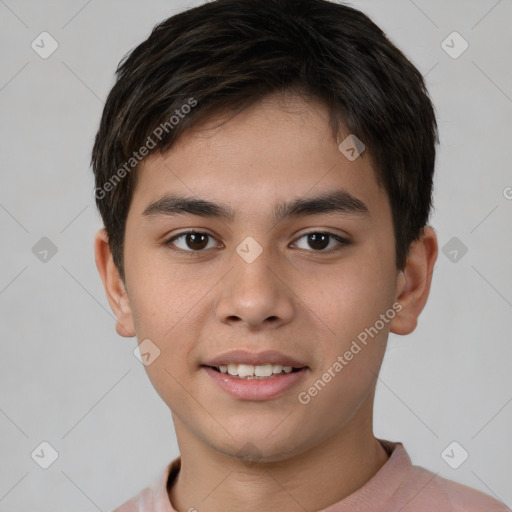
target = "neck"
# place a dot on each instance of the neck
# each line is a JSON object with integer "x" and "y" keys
{"x": 326, "y": 473}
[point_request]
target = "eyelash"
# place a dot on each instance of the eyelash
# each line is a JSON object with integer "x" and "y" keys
{"x": 169, "y": 243}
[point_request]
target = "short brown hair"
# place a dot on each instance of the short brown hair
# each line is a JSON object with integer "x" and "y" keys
{"x": 225, "y": 55}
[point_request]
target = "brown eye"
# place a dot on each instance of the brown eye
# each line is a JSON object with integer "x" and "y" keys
{"x": 319, "y": 241}
{"x": 196, "y": 241}
{"x": 191, "y": 241}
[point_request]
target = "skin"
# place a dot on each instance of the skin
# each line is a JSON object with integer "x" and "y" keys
{"x": 293, "y": 298}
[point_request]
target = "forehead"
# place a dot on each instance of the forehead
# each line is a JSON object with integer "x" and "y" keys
{"x": 267, "y": 154}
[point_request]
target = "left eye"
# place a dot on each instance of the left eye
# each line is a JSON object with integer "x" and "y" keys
{"x": 320, "y": 240}
{"x": 197, "y": 241}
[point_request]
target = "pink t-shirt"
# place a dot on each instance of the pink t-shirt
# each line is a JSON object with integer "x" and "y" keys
{"x": 397, "y": 486}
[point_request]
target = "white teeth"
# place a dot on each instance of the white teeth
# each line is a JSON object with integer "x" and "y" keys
{"x": 244, "y": 370}
{"x": 254, "y": 371}
{"x": 233, "y": 369}
{"x": 263, "y": 370}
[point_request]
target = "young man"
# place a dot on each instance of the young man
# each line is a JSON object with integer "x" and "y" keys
{"x": 264, "y": 172}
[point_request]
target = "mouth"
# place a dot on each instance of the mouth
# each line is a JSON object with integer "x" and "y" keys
{"x": 255, "y": 376}
{"x": 255, "y": 382}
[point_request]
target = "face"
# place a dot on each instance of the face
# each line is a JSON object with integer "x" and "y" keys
{"x": 304, "y": 282}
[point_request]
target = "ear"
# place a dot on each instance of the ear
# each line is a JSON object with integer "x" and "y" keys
{"x": 114, "y": 286}
{"x": 413, "y": 282}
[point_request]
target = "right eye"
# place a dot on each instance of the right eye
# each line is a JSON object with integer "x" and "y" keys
{"x": 192, "y": 241}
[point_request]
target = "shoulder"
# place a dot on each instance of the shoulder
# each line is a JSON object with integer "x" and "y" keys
{"x": 438, "y": 493}
{"x": 466, "y": 499}
{"x": 413, "y": 488}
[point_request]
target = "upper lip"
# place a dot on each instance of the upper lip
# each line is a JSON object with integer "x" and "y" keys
{"x": 254, "y": 358}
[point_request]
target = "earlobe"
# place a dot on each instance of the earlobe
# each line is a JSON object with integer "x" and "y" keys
{"x": 114, "y": 287}
{"x": 413, "y": 283}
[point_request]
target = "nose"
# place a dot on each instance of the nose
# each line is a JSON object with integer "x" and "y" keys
{"x": 255, "y": 294}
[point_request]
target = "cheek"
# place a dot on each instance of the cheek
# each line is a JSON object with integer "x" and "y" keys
{"x": 352, "y": 303}
{"x": 159, "y": 294}
{"x": 160, "y": 307}
{"x": 349, "y": 298}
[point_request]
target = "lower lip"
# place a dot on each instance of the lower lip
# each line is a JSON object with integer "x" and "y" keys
{"x": 255, "y": 389}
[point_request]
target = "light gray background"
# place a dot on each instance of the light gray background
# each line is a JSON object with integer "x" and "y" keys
{"x": 66, "y": 376}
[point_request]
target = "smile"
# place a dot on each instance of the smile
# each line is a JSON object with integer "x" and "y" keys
{"x": 249, "y": 371}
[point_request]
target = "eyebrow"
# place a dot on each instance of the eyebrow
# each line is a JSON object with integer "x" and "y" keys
{"x": 338, "y": 201}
